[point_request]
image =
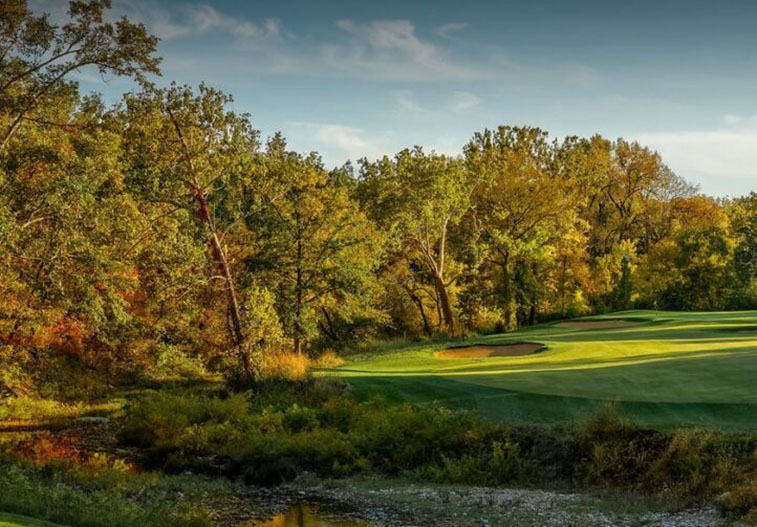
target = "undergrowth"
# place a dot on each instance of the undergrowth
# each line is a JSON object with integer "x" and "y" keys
{"x": 98, "y": 494}
{"x": 272, "y": 435}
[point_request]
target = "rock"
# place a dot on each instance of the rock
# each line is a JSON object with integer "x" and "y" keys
{"x": 723, "y": 498}
{"x": 93, "y": 420}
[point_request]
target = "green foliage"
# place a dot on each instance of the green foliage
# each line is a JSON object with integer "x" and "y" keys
{"x": 94, "y": 496}
{"x": 27, "y": 409}
{"x": 312, "y": 246}
{"x": 165, "y": 421}
{"x": 336, "y": 436}
{"x": 156, "y": 238}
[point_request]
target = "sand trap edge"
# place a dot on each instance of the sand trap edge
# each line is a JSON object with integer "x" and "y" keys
{"x": 481, "y": 351}
{"x": 599, "y": 324}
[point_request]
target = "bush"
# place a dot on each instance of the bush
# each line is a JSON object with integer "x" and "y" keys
{"x": 94, "y": 496}
{"x": 272, "y": 435}
{"x": 197, "y": 422}
{"x": 741, "y": 501}
{"x": 170, "y": 362}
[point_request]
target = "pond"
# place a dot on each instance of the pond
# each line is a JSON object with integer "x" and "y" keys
{"x": 305, "y": 515}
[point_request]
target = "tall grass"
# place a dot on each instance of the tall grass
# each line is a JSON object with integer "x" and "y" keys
{"x": 269, "y": 440}
{"x": 94, "y": 496}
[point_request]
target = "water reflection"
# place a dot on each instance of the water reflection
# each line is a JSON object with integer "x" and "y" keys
{"x": 304, "y": 515}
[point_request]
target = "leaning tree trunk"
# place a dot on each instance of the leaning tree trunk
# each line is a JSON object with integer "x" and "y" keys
{"x": 446, "y": 304}
{"x": 219, "y": 258}
{"x": 419, "y": 302}
{"x": 222, "y": 263}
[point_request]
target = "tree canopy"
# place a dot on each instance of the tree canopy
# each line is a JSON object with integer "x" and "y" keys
{"x": 164, "y": 226}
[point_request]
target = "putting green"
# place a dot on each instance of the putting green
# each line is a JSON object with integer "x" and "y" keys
{"x": 14, "y": 520}
{"x": 663, "y": 368}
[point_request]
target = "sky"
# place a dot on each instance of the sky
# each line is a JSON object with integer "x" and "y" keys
{"x": 356, "y": 78}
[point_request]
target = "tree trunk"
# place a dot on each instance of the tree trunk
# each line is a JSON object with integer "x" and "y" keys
{"x": 532, "y": 308}
{"x": 563, "y": 288}
{"x": 507, "y": 292}
{"x": 419, "y": 302}
{"x": 446, "y": 305}
{"x": 235, "y": 313}
{"x": 328, "y": 328}
{"x": 220, "y": 260}
{"x": 298, "y": 302}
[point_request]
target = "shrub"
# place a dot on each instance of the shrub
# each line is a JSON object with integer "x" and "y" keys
{"x": 171, "y": 362}
{"x": 328, "y": 359}
{"x": 741, "y": 501}
{"x": 285, "y": 365}
{"x": 198, "y": 422}
{"x": 284, "y": 429}
{"x": 93, "y": 496}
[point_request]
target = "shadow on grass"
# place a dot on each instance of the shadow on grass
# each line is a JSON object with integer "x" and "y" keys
{"x": 520, "y": 407}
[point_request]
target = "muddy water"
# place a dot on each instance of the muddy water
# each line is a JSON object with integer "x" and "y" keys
{"x": 305, "y": 515}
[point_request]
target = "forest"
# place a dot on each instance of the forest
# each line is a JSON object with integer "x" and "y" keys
{"x": 162, "y": 239}
{"x": 163, "y": 229}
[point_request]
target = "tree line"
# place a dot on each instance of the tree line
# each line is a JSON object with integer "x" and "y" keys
{"x": 165, "y": 222}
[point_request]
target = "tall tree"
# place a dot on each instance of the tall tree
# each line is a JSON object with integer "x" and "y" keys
{"x": 64, "y": 214}
{"x": 313, "y": 244}
{"x": 186, "y": 151}
{"x": 418, "y": 198}
{"x": 518, "y": 201}
{"x": 37, "y": 57}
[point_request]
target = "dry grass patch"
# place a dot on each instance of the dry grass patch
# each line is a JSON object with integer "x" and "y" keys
{"x": 598, "y": 324}
{"x": 481, "y": 351}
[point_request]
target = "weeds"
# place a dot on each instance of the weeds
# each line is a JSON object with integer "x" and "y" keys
{"x": 95, "y": 495}
{"x": 306, "y": 427}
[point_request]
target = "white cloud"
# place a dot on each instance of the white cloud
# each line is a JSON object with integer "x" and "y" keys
{"x": 580, "y": 75}
{"x": 727, "y": 151}
{"x": 392, "y": 35}
{"x": 338, "y": 143}
{"x": 406, "y": 102}
{"x": 158, "y": 20}
{"x": 463, "y": 101}
{"x": 206, "y": 18}
{"x": 385, "y": 50}
{"x": 446, "y": 30}
{"x": 391, "y": 50}
{"x": 746, "y": 124}
{"x": 192, "y": 18}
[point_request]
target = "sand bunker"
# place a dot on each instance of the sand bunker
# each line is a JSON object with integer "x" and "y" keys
{"x": 597, "y": 324}
{"x": 480, "y": 351}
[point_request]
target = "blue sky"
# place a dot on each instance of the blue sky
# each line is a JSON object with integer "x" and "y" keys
{"x": 353, "y": 79}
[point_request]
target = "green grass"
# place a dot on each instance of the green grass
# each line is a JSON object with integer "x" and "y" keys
{"x": 13, "y": 520}
{"x": 673, "y": 369}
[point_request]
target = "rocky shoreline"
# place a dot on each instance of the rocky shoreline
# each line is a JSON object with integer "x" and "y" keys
{"x": 396, "y": 503}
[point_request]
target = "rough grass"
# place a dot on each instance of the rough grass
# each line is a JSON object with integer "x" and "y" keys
{"x": 337, "y": 436}
{"x": 29, "y": 409}
{"x": 14, "y": 520}
{"x": 97, "y": 494}
{"x": 672, "y": 369}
